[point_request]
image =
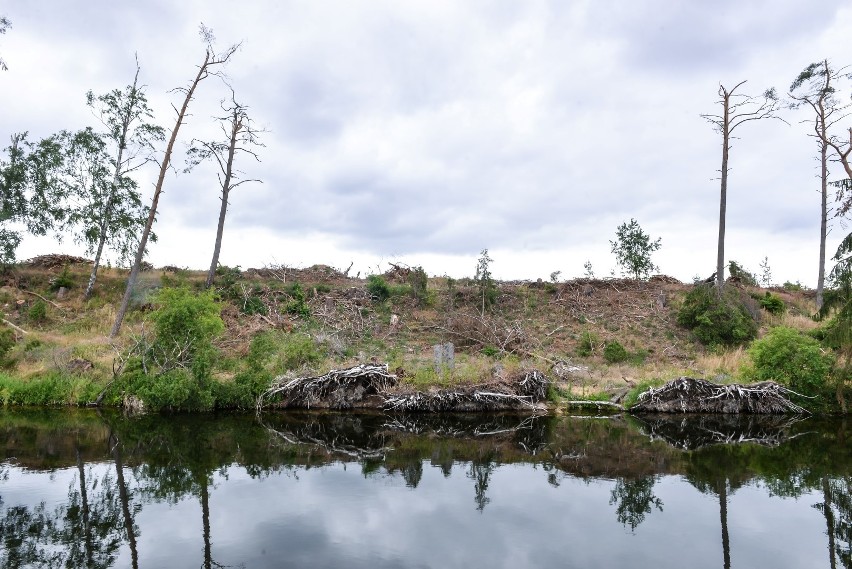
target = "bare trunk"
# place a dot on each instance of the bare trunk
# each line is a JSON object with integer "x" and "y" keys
{"x": 226, "y": 189}
{"x": 720, "y": 256}
{"x": 829, "y": 521}
{"x": 125, "y": 503}
{"x": 723, "y": 518}
{"x": 823, "y": 225}
{"x": 84, "y": 498}
{"x": 205, "y": 522}
{"x": 164, "y": 167}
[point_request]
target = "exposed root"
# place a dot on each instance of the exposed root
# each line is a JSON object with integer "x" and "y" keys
{"x": 690, "y": 395}
{"x": 338, "y": 389}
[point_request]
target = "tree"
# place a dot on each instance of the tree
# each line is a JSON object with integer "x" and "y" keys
{"x": 5, "y": 24}
{"x": 814, "y": 89}
{"x": 737, "y": 109}
{"x": 211, "y": 60}
{"x": 239, "y": 137}
{"x": 31, "y": 191}
{"x": 483, "y": 280}
{"x": 110, "y": 211}
{"x": 632, "y": 249}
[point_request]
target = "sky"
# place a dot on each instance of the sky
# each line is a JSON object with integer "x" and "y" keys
{"x": 424, "y": 131}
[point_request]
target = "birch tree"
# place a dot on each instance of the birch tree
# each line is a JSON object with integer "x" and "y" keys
{"x": 5, "y": 24}
{"x": 112, "y": 213}
{"x": 209, "y": 65}
{"x": 737, "y": 109}
{"x": 238, "y": 137}
{"x": 814, "y": 89}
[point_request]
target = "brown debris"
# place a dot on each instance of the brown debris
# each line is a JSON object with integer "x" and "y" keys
{"x": 56, "y": 261}
{"x": 690, "y": 395}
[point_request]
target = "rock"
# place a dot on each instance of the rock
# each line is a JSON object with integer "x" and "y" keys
{"x": 61, "y": 293}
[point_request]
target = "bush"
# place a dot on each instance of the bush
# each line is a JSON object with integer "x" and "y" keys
{"x": 62, "y": 280}
{"x": 419, "y": 281}
{"x": 298, "y": 306}
{"x": 7, "y": 342}
{"x": 173, "y": 390}
{"x": 37, "y": 312}
{"x": 791, "y": 358}
{"x": 299, "y": 350}
{"x": 378, "y": 288}
{"x": 727, "y": 319}
{"x": 587, "y": 344}
{"x": 614, "y": 352}
{"x": 772, "y": 303}
{"x": 740, "y": 274}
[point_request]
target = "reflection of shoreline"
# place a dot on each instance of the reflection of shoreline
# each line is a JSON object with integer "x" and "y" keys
{"x": 698, "y": 431}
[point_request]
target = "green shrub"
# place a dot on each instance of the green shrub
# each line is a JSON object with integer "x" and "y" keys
{"x": 48, "y": 391}
{"x": 588, "y": 343}
{"x": 614, "y": 352}
{"x": 727, "y": 319}
{"x": 253, "y": 305}
{"x": 7, "y": 342}
{"x": 378, "y": 288}
{"x": 297, "y": 305}
{"x": 741, "y": 274}
{"x": 772, "y": 303}
{"x": 37, "y": 312}
{"x": 62, "y": 280}
{"x": 791, "y": 358}
{"x": 174, "y": 390}
{"x": 299, "y": 350}
{"x": 419, "y": 281}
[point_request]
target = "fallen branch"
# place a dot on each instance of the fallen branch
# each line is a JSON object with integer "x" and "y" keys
{"x": 584, "y": 402}
{"x": 43, "y": 298}
{"x": 689, "y": 395}
{"x": 13, "y": 327}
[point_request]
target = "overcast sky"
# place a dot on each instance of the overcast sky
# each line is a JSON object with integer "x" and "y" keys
{"x": 425, "y": 131}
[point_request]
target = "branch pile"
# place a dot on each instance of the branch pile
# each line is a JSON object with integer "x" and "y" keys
{"x": 338, "y": 389}
{"x": 689, "y": 395}
{"x": 56, "y": 261}
{"x": 523, "y": 394}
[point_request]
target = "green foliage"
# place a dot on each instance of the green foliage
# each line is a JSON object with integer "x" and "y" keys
{"x": 632, "y": 249}
{"x": 791, "y": 358}
{"x": 765, "y": 272}
{"x": 793, "y": 287}
{"x": 490, "y": 351}
{"x": 7, "y": 342}
{"x": 378, "y": 288}
{"x": 37, "y": 312}
{"x": 62, "y": 280}
{"x": 718, "y": 319}
{"x": 740, "y": 274}
{"x": 172, "y": 390}
{"x": 772, "y": 303}
{"x": 297, "y": 305}
{"x": 614, "y": 352}
{"x": 419, "y": 281}
{"x": 298, "y": 350}
{"x": 587, "y": 344}
{"x": 484, "y": 281}
{"x": 51, "y": 390}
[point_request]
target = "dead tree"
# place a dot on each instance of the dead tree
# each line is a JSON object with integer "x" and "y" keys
{"x": 736, "y": 110}
{"x": 239, "y": 136}
{"x": 814, "y": 88}
{"x": 211, "y": 60}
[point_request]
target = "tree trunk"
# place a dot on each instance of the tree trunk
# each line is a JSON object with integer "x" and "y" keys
{"x": 823, "y": 225}
{"x": 829, "y": 520}
{"x": 205, "y": 522}
{"x": 125, "y": 503}
{"x": 84, "y": 498}
{"x": 723, "y": 518}
{"x": 720, "y": 255}
{"x": 164, "y": 167}
{"x": 226, "y": 189}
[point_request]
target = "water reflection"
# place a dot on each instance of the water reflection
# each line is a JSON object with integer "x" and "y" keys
{"x": 373, "y": 491}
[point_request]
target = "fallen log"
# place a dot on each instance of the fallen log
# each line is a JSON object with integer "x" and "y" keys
{"x": 337, "y": 389}
{"x": 690, "y": 395}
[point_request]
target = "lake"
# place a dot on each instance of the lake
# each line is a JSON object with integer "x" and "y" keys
{"x": 80, "y": 488}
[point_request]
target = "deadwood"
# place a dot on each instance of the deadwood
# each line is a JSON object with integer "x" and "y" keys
{"x": 337, "y": 389}
{"x": 690, "y": 395}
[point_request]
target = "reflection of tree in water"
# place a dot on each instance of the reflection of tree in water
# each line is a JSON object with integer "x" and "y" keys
{"x": 837, "y": 509}
{"x": 480, "y": 472}
{"x": 635, "y": 499}
{"x": 87, "y": 531}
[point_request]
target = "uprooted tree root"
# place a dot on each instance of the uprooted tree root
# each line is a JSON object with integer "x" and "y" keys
{"x": 338, "y": 389}
{"x": 690, "y": 395}
{"x": 374, "y": 386}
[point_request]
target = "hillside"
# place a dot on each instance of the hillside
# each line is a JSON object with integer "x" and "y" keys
{"x": 317, "y": 318}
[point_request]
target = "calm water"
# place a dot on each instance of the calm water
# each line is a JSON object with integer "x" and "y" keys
{"x": 79, "y": 489}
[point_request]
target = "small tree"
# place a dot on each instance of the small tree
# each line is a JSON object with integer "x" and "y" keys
{"x": 483, "y": 280}
{"x": 765, "y": 273}
{"x": 632, "y": 249}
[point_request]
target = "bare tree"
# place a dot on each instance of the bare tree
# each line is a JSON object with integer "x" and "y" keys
{"x": 814, "y": 88}
{"x": 239, "y": 136}
{"x": 211, "y": 60}
{"x": 737, "y": 109}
